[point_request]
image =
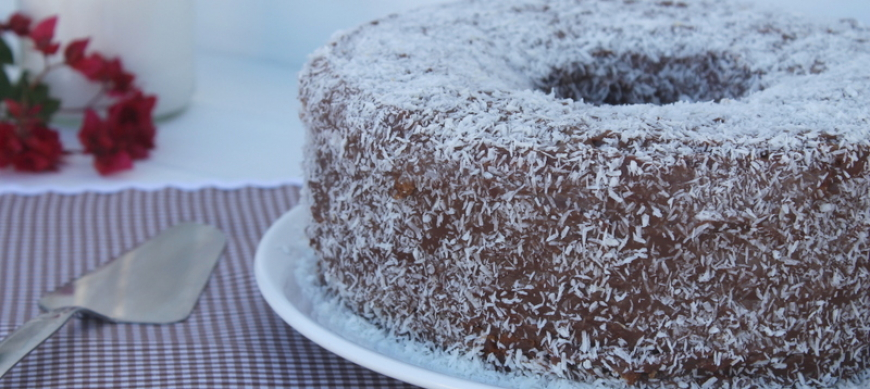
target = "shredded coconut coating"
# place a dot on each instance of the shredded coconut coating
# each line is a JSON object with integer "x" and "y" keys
{"x": 657, "y": 192}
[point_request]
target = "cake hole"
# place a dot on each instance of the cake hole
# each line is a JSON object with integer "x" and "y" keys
{"x": 632, "y": 78}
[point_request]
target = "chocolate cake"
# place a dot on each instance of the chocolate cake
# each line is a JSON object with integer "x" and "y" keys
{"x": 649, "y": 193}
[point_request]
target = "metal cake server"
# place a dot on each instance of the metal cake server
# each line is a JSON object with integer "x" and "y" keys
{"x": 155, "y": 283}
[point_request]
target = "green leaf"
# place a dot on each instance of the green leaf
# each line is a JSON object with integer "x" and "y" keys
{"x": 31, "y": 95}
{"x": 6, "y": 56}
{"x": 49, "y": 108}
{"x": 5, "y": 85}
{"x": 19, "y": 89}
{"x": 38, "y": 95}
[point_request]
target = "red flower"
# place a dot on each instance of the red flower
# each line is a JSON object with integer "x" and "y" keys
{"x": 97, "y": 139}
{"x": 20, "y": 111}
{"x": 96, "y": 68}
{"x": 42, "y": 35}
{"x": 19, "y": 24}
{"x": 119, "y": 80}
{"x": 36, "y": 149}
{"x": 133, "y": 117}
{"x": 91, "y": 66}
{"x": 10, "y": 145}
{"x": 74, "y": 53}
{"x": 126, "y": 135}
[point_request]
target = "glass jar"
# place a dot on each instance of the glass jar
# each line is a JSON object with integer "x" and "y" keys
{"x": 153, "y": 38}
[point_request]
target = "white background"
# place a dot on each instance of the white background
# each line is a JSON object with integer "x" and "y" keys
{"x": 286, "y": 30}
{"x": 242, "y": 127}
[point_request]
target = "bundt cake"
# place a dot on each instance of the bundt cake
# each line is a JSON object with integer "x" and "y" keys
{"x": 654, "y": 192}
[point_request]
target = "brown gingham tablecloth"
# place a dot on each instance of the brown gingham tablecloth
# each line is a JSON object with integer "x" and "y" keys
{"x": 232, "y": 339}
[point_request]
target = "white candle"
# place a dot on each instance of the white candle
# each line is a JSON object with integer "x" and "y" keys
{"x": 153, "y": 38}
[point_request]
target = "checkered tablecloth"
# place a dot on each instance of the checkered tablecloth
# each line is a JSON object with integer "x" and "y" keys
{"x": 232, "y": 339}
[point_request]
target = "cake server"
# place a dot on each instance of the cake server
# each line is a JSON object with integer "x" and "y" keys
{"x": 158, "y": 282}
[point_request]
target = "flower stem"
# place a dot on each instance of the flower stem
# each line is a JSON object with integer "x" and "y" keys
{"x": 93, "y": 101}
{"x": 47, "y": 67}
{"x": 79, "y": 110}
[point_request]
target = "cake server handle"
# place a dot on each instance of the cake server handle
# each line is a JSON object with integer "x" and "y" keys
{"x": 30, "y": 335}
